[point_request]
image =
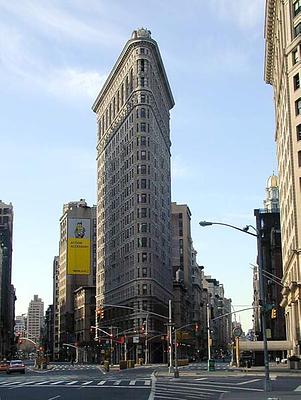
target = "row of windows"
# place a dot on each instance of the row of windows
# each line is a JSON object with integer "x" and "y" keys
{"x": 297, "y": 29}
{"x": 296, "y": 82}
{"x": 297, "y": 7}
{"x": 142, "y": 112}
{"x": 143, "y": 127}
{"x": 298, "y": 131}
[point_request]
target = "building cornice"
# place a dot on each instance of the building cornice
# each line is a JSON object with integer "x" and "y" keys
{"x": 269, "y": 33}
{"x": 132, "y": 43}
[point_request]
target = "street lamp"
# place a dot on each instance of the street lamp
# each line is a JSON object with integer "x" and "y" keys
{"x": 267, "y": 382}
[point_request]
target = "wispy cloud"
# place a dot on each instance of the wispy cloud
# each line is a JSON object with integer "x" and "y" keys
{"x": 244, "y": 13}
{"x": 73, "y": 82}
{"x": 19, "y": 65}
{"x": 52, "y": 19}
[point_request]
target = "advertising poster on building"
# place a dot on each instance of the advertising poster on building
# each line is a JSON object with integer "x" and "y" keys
{"x": 78, "y": 256}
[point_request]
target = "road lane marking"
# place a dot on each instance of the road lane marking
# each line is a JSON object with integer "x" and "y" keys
{"x": 246, "y": 382}
{"x": 132, "y": 383}
{"x": 147, "y": 383}
{"x": 72, "y": 383}
{"x": 42, "y": 383}
{"x": 183, "y": 390}
{"x": 298, "y": 389}
{"x": 55, "y": 397}
{"x": 101, "y": 383}
{"x": 178, "y": 392}
{"x": 153, "y": 387}
{"x": 86, "y": 383}
{"x": 201, "y": 379}
{"x": 56, "y": 383}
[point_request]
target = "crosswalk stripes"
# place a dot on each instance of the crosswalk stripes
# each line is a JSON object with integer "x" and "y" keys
{"x": 199, "y": 389}
{"x": 138, "y": 383}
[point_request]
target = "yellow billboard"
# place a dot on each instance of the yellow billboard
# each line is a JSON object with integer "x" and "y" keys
{"x": 78, "y": 251}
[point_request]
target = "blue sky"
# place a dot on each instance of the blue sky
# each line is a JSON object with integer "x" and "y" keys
{"x": 54, "y": 58}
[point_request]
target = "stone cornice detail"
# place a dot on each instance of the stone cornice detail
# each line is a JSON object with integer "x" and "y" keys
{"x": 125, "y": 52}
{"x": 269, "y": 33}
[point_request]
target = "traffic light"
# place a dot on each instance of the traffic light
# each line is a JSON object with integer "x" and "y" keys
{"x": 100, "y": 313}
{"x": 197, "y": 327}
{"x": 17, "y": 338}
{"x": 274, "y": 313}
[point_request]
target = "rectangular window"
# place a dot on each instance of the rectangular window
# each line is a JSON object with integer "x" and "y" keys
{"x": 297, "y": 29}
{"x": 298, "y": 130}
{"x": 144, "y": 290}
{"x": 296, "y": 82}
{"x": 297, "y": 7}
{"x": 142, "y": 113}
{"x": 143, "y": 127}
{"x": 299, "y": 158}
{"x": 143, "y": 212}
{"x": 143, "y": 183}
{"x": 143, "y": 141}
{"x": 142, "y": 77}
{"x": 143, "y": 228}
{"x": 298, "y": 106}
{"x": 142, "y": 65}
{"x": 295, "y": 55}
{"x": 143, "y": 155}
{"x": 144, "y": 257}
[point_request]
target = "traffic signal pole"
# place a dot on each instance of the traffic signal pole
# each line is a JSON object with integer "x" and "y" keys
{"x": 170, "y": 337}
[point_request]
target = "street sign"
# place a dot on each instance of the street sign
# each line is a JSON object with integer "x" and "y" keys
{"x": 237, "y": 332}
{"x": 135, "y": 339}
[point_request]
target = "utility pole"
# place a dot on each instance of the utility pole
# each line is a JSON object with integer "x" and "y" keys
{"x": 262, "y": 305}
{"x": 111, "y": 344}
{"x": 170, "y": 337}
{"x": 208, "y": 334}
{"x": 125, "y": 349}
{"x": 146, "y": 341}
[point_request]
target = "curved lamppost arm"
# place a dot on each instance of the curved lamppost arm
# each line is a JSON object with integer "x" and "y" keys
{"x": 244, "y": 230}
{"x": 267, "y": 383}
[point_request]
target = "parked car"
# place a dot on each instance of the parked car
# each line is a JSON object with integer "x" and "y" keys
{"x": 3, "y": 366}
{"x": 15, "y": 366}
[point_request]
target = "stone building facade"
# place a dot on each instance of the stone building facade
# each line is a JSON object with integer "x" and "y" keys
{"x": 75, "y": 267}
{"x": 282, "y": 71}
{"x": 268, "y": 222}
{"x": 7, "y": 291}
{"x": 35, "y": 319}
{"x": 133, "y": 188}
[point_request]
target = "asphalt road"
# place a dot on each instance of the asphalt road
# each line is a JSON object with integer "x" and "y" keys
{"x": 88, "y": 382}
{"x": 78, "y": 382}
